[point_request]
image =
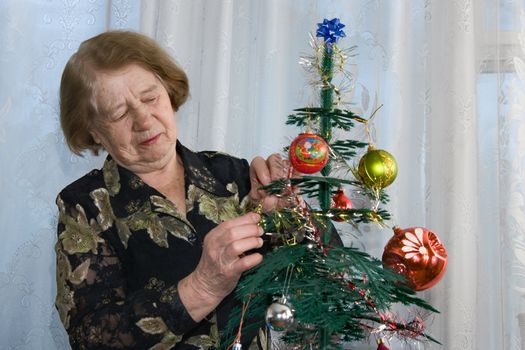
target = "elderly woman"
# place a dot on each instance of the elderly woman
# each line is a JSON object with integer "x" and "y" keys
{"x": 151, "y": 246}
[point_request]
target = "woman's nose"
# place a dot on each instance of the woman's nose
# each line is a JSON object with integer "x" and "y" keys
{"x": 141, "y": 118}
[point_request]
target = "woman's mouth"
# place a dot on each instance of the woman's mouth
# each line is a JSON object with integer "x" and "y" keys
{"x": 150, "y": 141}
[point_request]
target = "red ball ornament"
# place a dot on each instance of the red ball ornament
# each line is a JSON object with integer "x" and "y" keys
{"x": 308, "y": 153}
{"x": 417, "y": 254}
{"x": 381, "y": 345}
{"x": 341, "y": 201}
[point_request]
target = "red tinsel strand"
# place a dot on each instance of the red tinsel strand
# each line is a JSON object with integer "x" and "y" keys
{"x": 416, "y": 327}
{"x": 370, "y": 302}
{"x": 412, "y": 329}
{"x": 351, "y": 285}
{"x": 239, "y": 331}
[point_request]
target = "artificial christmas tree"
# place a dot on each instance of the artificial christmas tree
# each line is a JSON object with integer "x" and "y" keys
{"x": 317, "y": 293}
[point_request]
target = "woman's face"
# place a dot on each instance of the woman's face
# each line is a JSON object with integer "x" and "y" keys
{"x": 135, "y": 121}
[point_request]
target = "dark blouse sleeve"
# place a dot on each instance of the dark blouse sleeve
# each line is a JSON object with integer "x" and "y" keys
{"x": 92, "y": 298}
{"x": 229, "y": 169}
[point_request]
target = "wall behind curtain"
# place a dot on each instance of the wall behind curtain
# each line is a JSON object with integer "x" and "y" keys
{"x": 36, "y": 39}
{"x": 450, "y": 75}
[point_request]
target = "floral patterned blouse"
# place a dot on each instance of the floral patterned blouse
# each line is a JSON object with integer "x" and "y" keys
{"x": 123, "y": 246}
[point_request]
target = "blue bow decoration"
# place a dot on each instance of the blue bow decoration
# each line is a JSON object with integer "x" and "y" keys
{"x": 330, "y": 31}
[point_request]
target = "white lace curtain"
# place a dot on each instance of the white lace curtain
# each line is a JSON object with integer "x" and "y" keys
{"x": 449, "y": 73}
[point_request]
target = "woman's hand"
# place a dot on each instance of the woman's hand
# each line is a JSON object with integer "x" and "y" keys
{"x": 222, "y": 262}
{"x": 262, "y": 173}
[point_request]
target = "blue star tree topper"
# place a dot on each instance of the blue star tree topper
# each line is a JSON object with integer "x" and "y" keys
{"x": 330, "y": 31}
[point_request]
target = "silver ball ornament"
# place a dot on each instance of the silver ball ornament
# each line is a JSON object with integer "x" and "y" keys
{"x": 279, "y": 315}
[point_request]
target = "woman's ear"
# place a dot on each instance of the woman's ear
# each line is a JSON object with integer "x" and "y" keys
{"x": 96, "y": 137}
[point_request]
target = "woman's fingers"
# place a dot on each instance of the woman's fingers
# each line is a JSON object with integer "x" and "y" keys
{"x": 259, "y": 173}
{"x": 240, "y": 232}
{"x": 231, "y": 239}
{"x": 246, "y": 219}
{"x": 232, "y": 231}
{"x": 241, "y": 246}
{"x": 277, "y": 167}
{"x": 263, "y": 172}
{"x": 247, "y": 262}
{"x": 241, "y": 240}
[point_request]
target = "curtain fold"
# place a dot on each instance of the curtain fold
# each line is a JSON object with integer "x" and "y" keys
{"x": 449, "y": 76}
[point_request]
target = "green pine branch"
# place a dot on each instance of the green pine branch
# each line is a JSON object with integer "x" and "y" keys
{"x": 338, "y": 118}
{"x": 337, "y": 289}
{"x": 345, "y": 149}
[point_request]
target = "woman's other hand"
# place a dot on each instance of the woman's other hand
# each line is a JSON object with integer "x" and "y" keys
{"x": 222, "y": 262}
{"x": 262, "y": 173}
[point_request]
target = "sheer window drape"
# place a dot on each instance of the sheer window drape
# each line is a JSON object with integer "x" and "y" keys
{"x": 450, "y": 75}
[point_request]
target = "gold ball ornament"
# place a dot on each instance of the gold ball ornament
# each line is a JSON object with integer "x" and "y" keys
{"x": 377, "y": 168}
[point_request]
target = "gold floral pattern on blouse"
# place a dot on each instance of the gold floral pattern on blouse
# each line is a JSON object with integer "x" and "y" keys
{"x": 166, "y": 206}
{"x": 111, "y": 176}
{"x": 80, "y": 273}
{"x": 132, "y": 206}
{"x": 155, "y": 325}
{"x": 167, "y": 342}
{"x": 79, "y": 235}
{"x": 105, "y": 216}
{"x": 136, "y": 182}
{"x": 247, "y": 204}
{"x": 95, "y": 335}
{"x": 203, "y": 178}
{"x": 64, "y": 298}
{"x": 206, "y": 341}
{"x": 215, "y": 208}
{"x": 123, "y": 232}
{"x": 144, "y": 217}
{"x": 157, "y": 227}
{"x": 168, "y": 295}
{"x": 155, "y": 284}
{"x": 152, "y": 325}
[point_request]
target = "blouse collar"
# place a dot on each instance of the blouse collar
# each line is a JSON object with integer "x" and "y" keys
{"x": 128, "y": 192}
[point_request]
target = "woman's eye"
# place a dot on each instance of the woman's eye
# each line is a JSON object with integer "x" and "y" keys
{"x": 120, "y": 116}
{"x": 150, "y": 99}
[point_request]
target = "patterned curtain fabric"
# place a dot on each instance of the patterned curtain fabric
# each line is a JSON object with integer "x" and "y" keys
{"x": 449, "y": 74}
